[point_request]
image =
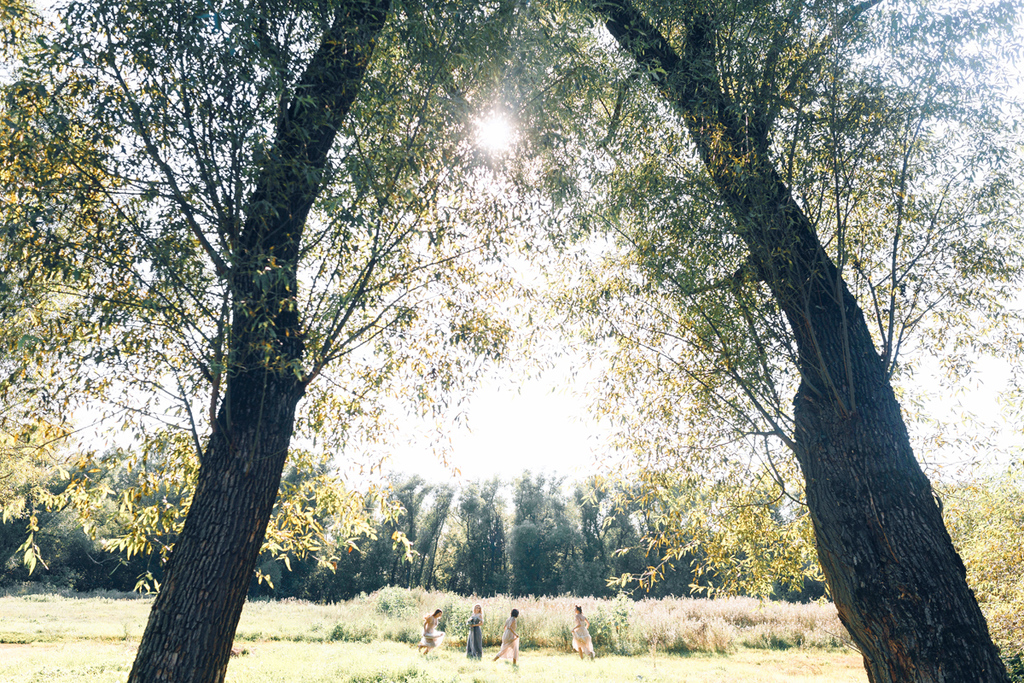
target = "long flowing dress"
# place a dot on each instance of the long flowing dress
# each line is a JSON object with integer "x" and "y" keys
{"x": 475, "y": 637}
{"x": 581, "y": 641}
{"x": 509, "y": 641}
{"x": 431, "y": 636}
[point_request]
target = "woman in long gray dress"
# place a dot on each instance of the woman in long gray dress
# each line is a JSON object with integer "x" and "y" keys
{"x": 475, "y": 637}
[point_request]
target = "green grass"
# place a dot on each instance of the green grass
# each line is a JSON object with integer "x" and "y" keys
{"x": 56, "y": 638}
{"x": 59, "y": 619}
{"x": 267, "y": 662}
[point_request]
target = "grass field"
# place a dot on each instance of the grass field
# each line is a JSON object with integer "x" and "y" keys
{"x": 59, "y": 639}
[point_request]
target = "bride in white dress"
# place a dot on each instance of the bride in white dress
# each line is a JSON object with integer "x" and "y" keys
{"x": 431, "y": 636}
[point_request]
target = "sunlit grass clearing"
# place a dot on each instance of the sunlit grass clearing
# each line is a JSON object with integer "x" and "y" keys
{"x": 74, "y": 638}
{"x": 266, "y": 662}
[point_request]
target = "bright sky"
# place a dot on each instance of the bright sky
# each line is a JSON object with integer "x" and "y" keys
{"x": 543, "y": 425}
{"x": 494, "y": 132}
{"x": 540, "y": 424}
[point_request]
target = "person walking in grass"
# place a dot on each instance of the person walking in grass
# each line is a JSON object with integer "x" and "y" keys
{"x": 431, "y": 636}
{"x": 581, "y": 641}
{"x": 475, "y": 637}
{"x": 509, "y": 640}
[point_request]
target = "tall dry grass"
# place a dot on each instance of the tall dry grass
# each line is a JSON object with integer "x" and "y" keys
{"x": 619, "y": 626}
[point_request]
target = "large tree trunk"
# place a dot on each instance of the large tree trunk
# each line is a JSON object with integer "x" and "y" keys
{"x": 895, "y": 577}
{"x": 192, "y": 625}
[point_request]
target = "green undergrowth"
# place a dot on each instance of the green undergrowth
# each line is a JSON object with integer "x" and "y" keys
{"x": 1015, "y": 667}
{"x": 622, "y": 627}
{"x": 619, "y": 626}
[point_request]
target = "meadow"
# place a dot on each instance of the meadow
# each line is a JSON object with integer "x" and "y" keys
{"x": 65, "y": 637}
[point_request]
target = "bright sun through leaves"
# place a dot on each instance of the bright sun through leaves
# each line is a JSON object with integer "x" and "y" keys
{"x": 494, "y": 133}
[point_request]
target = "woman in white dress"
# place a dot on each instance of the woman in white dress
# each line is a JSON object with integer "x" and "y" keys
{"x": 509, "y": 640}
{"x": 581, "y": 641}
{"x": 431, "y": 636}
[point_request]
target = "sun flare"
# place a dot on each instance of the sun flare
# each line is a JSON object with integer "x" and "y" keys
{"x": 494, "y": 133}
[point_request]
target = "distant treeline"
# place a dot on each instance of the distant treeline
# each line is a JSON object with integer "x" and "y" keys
{"x": 534, "y": 535}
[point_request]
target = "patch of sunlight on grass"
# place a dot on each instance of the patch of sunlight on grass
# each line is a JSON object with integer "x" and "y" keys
{"x": 383, "y": 662}
{"x": 69, "y": 662}
{"x": 54, "y": 618}
{"x": 393, "y": 662}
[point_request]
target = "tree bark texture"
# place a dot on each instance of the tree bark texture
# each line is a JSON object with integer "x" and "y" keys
{"x": 896, "y": 579}
{"x": 192, "y": 624}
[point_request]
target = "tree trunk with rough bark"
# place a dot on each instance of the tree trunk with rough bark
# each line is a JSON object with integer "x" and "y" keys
{"x": 192, "y": 624}
{"x": 896, "y": 579}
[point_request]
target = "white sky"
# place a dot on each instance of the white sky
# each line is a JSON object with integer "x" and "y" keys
{"x": 540, "y": 424}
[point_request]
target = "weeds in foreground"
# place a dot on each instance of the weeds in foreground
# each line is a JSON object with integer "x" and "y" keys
{"x": 618, "y": 626}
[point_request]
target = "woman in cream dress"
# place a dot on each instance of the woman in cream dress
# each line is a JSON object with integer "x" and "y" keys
{"x": 431, "y": 636}
{"x": 509, "y": 640}
{"x": 581, "y": 641}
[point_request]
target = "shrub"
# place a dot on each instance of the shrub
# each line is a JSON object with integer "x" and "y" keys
{"x": 765, "y": 637}
{"x": 601, "y": 630}
{"x": 401, "y": 633}
{"x": 353, "y": 632}
{"x": 395, "y": 602}
{"x": 1015, "y": 668}
{"x": 984, "y": 518}
{"x": 455, "y": 611}
{"x": 711, "y": 634}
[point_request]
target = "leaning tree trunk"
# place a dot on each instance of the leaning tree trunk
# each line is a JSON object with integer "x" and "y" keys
{"x": 899, "y": 585}
{"x": 192, "y": 624}
{"x": 896, "y": 579}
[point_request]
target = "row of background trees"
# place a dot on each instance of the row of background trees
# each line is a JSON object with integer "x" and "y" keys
{"x": 534, "y": 535}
